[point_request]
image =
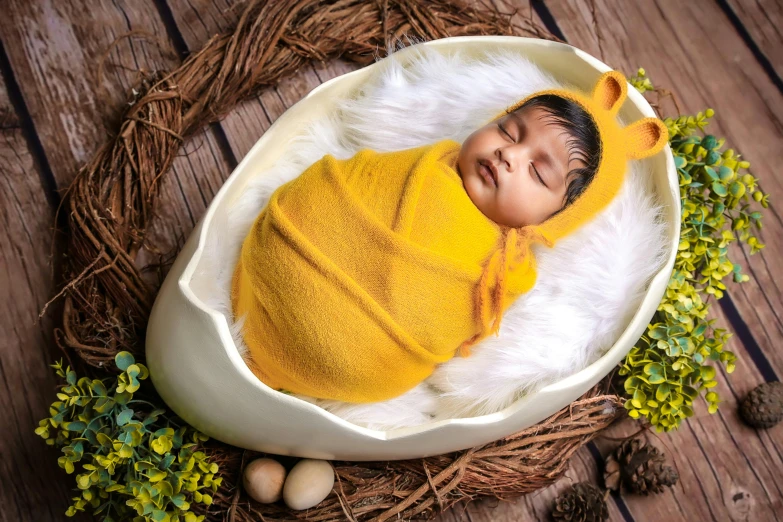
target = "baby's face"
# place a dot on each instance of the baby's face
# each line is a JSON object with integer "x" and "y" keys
{"x": 529, "y": 155}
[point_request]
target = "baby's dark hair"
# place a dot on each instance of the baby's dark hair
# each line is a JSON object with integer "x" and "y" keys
{"x": 584, "y": 141}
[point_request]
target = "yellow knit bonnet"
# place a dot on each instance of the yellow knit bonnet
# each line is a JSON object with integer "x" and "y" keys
{"x": 641, "y": 139}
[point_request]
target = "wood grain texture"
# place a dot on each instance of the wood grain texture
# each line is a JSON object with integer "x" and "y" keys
{"x": 55, "y": 54}
{"x": 56, "y": 63}
{"x": 32, "y": 486}
{"x": 762, "y": 19}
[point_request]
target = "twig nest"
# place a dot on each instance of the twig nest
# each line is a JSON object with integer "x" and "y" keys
{"x": 763, "y": 407}
{"x": 308, "y": 483}
{"x": 263, "y": 480}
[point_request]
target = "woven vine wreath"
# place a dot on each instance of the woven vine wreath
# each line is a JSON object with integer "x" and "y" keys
{"x": 111, "y": 204}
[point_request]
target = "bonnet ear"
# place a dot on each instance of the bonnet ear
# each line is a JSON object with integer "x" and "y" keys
{"x": 610, "y": 91}
{"x": 645, "y": 137}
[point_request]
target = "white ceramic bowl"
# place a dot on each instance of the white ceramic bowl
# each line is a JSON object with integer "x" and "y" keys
{"x": 198, "y": 372}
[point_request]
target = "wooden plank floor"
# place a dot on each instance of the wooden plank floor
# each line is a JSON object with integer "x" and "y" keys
{"x": 55, "y": 110}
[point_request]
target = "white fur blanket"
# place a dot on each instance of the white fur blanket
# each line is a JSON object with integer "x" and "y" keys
{"x": 588, "y": 286}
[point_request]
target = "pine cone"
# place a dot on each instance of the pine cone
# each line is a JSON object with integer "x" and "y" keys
{"x": 639, "y": 468}
{"x": 763, "y": 407}
{"x": 581, "y": 502}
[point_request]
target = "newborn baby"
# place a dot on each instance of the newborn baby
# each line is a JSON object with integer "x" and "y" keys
{"x": 362, "y": 275}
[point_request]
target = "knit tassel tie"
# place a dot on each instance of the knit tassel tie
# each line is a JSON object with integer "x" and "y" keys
{"x": 489, "y": 301}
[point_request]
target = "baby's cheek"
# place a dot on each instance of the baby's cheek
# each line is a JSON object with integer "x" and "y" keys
{"x": 514, "y": 207}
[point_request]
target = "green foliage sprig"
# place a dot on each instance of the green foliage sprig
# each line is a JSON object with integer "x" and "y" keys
{"x": 670, "y": 366}
{"x": 136, "y": 464}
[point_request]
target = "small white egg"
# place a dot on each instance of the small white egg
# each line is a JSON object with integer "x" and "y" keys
{"x": 308, "y": 483}
{"x": 263, "y": 480}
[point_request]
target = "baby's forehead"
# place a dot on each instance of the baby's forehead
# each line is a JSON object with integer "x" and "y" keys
{"x": 543, "y": 119}
{"x": 558, "y": 145}
{"x": 530, "y": 112}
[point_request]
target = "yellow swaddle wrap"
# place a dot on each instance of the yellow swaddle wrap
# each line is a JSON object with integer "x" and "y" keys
{"x": 360, "y": 276}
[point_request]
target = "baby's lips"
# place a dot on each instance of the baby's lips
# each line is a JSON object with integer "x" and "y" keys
{"x": 486, "y": 173}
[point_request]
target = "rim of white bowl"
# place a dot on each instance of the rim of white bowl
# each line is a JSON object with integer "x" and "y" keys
{"x": 587, "y": 374}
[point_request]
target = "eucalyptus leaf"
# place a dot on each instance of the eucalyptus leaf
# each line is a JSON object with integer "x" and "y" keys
{"x": 123, "y": 360}
{"x": 725, "y": 173}
{"x": 709, "y": 142}
{"x": 680, "y": 162}
{"x": 124, "y": 416}
{"x": 720, "y": 189}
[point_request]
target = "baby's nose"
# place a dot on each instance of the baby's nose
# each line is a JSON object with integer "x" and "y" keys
{"x": 507, "y": 157}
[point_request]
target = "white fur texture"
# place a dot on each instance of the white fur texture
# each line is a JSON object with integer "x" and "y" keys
{"x": 588, "y": 286}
